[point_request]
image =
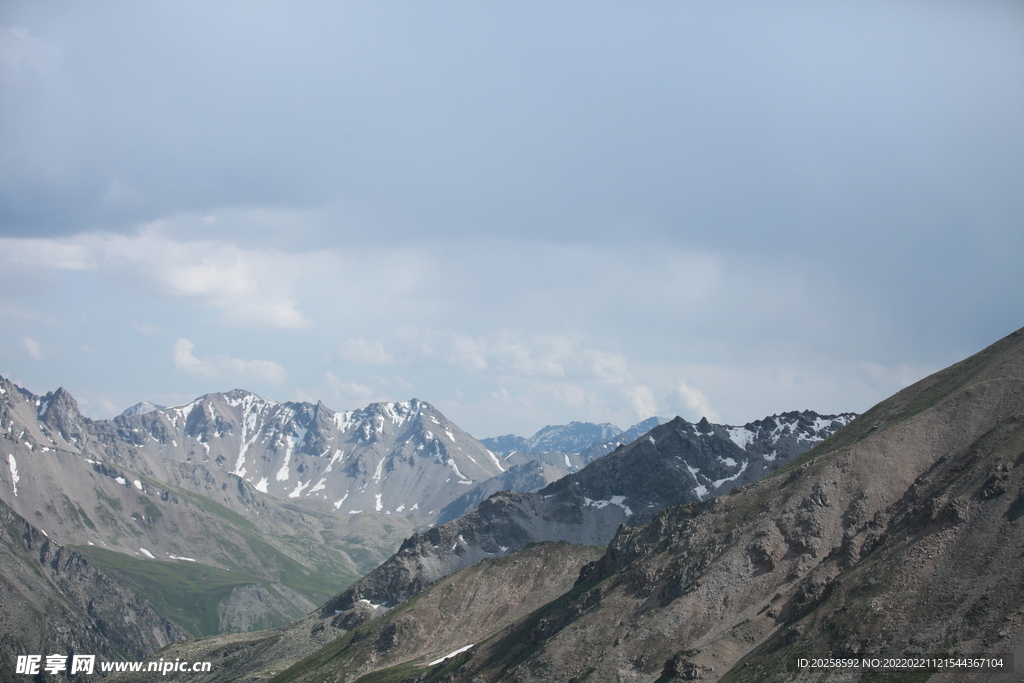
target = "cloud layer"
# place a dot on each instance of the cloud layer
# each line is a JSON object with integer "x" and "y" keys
{"x": 525, "y": 214}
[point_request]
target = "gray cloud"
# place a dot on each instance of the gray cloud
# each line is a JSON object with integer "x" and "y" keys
{"x": 699, "y": 189}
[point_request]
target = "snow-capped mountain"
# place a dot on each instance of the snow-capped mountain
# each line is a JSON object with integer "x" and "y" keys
{"x": 401, "y": 458}
{"x": 568, "y": 438}
{"x": 141, "y": 408}
{"x": 570, "y": 447}
{"x": 258, "y": 494}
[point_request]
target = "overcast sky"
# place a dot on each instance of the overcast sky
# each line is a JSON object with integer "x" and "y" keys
{"x": 525, "y": 213}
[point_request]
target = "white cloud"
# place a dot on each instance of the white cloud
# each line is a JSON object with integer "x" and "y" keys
{"x": 609, "y": 367}
{"x": 350, "y": 393}
{"x": 695, "y": 400}
{"x": 359, "y": 350}
{"x": 642, "y": 399}
{"x": 262, "y": 370}
{"x": 20, "y": 51}
{"x": 249, "y": 287}
{"x": 30, "y": 254}
{"x": 33, "y": 348}
{"x": 568, "y": 393}
{"x": 468, "y": 353}
{"x": 108, "y": 407}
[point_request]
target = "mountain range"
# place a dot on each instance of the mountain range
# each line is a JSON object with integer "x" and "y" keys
{"x": 233, "y": 513}
{"x": 889, "y": 551}
{"x": 675, "y": 462}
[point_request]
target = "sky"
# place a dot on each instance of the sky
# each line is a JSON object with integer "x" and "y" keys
{"x": 524, "y": 213}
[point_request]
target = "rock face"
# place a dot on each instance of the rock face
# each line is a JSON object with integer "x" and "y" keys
{"x": 54, "y": 600}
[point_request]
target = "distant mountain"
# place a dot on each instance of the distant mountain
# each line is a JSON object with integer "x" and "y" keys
{"x": 572, "y": 446}
{"x": 569, "y": 438}
{"x": 142, "y": 408}
{"x": 134, "y": 515}
{"x": 401, "y": 458}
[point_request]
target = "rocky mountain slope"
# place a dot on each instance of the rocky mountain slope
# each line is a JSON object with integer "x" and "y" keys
{"x": 900, "y": 536}
{"x": 463, "y": 608}
{"x": 54, "y": 600}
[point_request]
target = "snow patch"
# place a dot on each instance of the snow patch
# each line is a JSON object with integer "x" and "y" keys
{"x": 262, "y": 485}
{"x": 175, "y": 557}
{"x": 741, "y": 436}
{"x": 337, "y": 503}
{"x": 495, "y": 459}
{"x": 462, "y": 477}
{"x": 138, "y": 484}
{"x": 719, "y": 482}
{"x": 290, "y": 440}
{"x": 451, "y": 654}
{"x": 614, "y": 500}
{"x": 13, "y": 464}
{"x": 298, "y": 489}
{"x": 147, "y": 553}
